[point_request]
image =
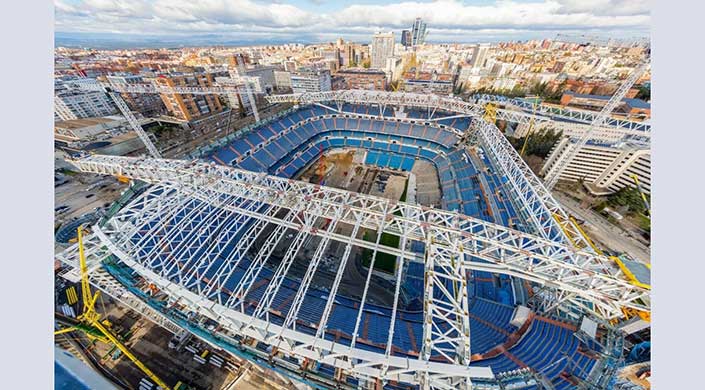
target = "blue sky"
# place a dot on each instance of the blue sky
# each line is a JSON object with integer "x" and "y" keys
{"x": 279, "y": 21}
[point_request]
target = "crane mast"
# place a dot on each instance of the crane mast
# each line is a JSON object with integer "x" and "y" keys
{"x": 555, "y": 173}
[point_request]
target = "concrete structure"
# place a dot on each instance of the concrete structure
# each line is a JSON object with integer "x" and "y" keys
{"x": 189, "y": 106}
{"x": 382, "y": 48}
{"x": 604, "y": 168}
{"x": 310, "y": 80}
{"x": 362, "y": 79}
{"x": 72, "y": 104}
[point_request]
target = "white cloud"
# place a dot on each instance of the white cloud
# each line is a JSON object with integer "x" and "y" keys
{"x": 446, "y": 18}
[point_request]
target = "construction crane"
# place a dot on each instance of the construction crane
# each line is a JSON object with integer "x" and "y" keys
{"x": 115, "y": 89}
{"x": 555, "y": 173}
{"x": 89, "y": 321}
{"x": 643, "y": 195}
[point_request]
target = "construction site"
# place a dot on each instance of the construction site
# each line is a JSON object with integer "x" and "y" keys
{"x": 357, "y": 240}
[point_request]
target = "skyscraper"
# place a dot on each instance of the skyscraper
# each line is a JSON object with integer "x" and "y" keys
{"x": 418, "y": 32}
{"x": 382, "y": 48}
{"x": 406, "y": 38}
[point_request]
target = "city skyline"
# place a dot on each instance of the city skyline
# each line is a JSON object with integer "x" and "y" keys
{"x": 141, "y": 23}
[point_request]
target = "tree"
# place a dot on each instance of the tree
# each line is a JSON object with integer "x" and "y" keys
{"x": 629, "y": 197}
{"x": 644, "y": 93}
{"x": 539, "y": 144}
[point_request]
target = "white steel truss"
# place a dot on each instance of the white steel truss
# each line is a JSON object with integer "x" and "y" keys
{"x": 225, "y": 196}
{"x": 433, "y": 102}
{"x": 546, "y": 262}
{"x": 538, "y": 204}
{"x": 547, "y": 113}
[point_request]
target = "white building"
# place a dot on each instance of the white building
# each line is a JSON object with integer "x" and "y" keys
{"x": 479, "y": 55}
{"x": 604, "y": 168}
{"x": 310, "y": 80}
{"x": 282, "y": 79}
{"x": 393, "y": 68}
{"x": 73, "y": 104}
{"x": 382, "y": 47}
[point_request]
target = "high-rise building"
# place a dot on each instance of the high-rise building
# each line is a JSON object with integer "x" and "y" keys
{"x": 418, "y": 32}
{"x": 187, "y": 106}
{"x": 479, "y": 55}
{"x": 382, "y": 48}
{"x": 406, "y": 38}
{"x": 74, "y": 104}
{"x": 310, "y": 80}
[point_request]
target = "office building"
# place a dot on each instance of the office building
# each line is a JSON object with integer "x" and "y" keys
{"x": 310, "y": 80}
{"x": 418, "y": 32}
{"x": 406, "y": 38}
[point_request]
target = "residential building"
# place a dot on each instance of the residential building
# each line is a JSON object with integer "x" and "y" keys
{"x": 371, "y": 79}
{"x": 187, "y": 106}
{"x": 147, "y": 104}
{"x": 479, "y": 55}
{"x": 382, "y": 48}
{"x": 75, "y": 104}
{"x": 310, "y": 80}
{"x": 603, "y": 168}
{"x": 428, "y": 82}
{"x": 265, "y": 73}
{"x": 394, "y": 68}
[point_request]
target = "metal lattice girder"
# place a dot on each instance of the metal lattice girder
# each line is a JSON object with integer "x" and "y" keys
{"x": 125, "y": 110}
{"x": 153, "y": 88}
{"x": 544, "y": 113}
{"x": 383, "y": 98}
{"x": 504, "y": 250}
{"x": 359, "y": 362}
{"x": 536, "y": 202}
{"x": 454, "y": 105}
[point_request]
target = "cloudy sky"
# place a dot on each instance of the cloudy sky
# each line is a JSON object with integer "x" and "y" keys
{"x": 325, "y": 20}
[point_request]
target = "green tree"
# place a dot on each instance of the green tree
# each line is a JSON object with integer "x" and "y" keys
{"x": 539, "y": 144}
{"x": 629, "y": 197}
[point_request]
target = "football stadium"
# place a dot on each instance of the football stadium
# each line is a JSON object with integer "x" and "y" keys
{"x": 366, "y": 240}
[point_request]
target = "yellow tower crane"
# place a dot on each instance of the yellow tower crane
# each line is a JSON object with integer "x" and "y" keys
{"x": 91, "y": 324}
{"x": 643, "y": 196}
{"x": 528, "y": 133}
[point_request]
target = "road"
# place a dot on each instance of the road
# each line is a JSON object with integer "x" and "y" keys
{"x": 607, "y": 234}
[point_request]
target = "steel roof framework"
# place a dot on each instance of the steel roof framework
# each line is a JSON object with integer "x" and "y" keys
{"x": 454, "y": 244}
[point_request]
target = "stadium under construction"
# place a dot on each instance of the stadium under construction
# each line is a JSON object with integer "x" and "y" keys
{"x": 467, "y": 274}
